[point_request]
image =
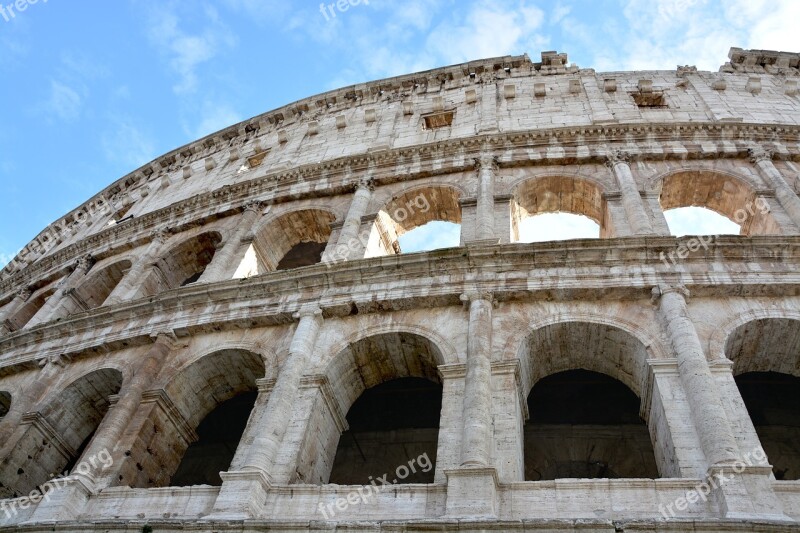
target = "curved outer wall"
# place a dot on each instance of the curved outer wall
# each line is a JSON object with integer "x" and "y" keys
{"x": 124, "y": 323}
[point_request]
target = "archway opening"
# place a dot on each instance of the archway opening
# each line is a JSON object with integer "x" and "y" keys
{"x": 765, "y": 355}
{"x": 93, "y": 292}
{"x": 387, "y": 395}
{"x": 28, "y": 310}
{"x": 218, "y": 391}
{"x": 558, "y": 197}
{"x": 699, "y": 221}
{"x": 293, "y": 240}
{"x": 5, "y": 403}
{"x": 773, "y": 402}
{"x": 585, "y": 381}
{"x": 184, "y": 264}
{"x": 431, "y": 236}
{"x": 720, "y": 193}
{"x": 426, "y": 219}
{"x": 390, "y": 424}
{"x": 56, "y": 437}
{"x": 586, "y": 425}
{"x": 218, "y": 437}
{"x": 557, "y": 227}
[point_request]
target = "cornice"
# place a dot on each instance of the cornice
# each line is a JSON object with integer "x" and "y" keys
{"x": 608, "y": 269}
{"x": 513, "y": 149}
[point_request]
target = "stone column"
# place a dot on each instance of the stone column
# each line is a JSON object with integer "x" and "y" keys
{"x": 352, "y": 222}
{"x": 762, "y": 159}
{"x": 472, "y": 489}
{"x": 68, "y": 501}
{"x": 639, "y": 222}
{"x": 26, "y": 401}
{"x": 243, "y": 492}
{"x": 476, "y": 439}
{"x": 132, "y": 281}
{"x": 484, "y": 218}
{"x": 705, "y": 405}
{"x": 110, "y": 431}
{"x": 70, "y": 283}
{"x": 11, "y": 309}
{"x": 222, "y": 265}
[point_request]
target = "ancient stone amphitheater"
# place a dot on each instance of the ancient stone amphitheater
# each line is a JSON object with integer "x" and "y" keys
{"x": 231, "y": 339}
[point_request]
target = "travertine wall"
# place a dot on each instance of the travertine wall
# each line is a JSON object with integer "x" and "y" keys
{"x": 129, "y": 320}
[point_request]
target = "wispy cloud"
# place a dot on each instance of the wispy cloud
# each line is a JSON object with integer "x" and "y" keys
{"x": 127, "y": 145}
{"x": 63, "y": 102}
{"x": 213, "y": 117}
{"x": 187, "y": 51}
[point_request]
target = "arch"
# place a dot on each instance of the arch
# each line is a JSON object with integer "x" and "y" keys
{"x": 5, "y": 403}
{"x": 448, "y": 351}
{"x": 765, "y": 345}
{"x": 56, "y": 436}
{"x": 717, "y": 343}
{"x": 29, "y": 309}
{"x": 722, "y": 192}
{"x": 605, "y": 335}
{"x": 292, "y": 239}
{"x": 411, "y": 209}
{"x": 586, "y": 424}
{"x": 183, "y": 264}
{"x": 173, "y": 427}
{"x": 558, "y": 194}
{"x": 377, "y": 364}
{"x": 93, "y": 292}
{"x": 766, "y": 368}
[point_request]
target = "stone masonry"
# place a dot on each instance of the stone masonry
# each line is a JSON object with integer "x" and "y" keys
{"x": 231, "y": 338}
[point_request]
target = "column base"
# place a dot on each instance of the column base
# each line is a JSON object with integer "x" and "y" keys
{"x": 63, "y": 500}
{"x": 243, "y": 495}
{"x": 472, "y": 492}
{"x": 745, "y": 492}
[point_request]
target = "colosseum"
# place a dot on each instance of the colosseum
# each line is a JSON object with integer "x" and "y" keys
{"x": 231, "y": 339}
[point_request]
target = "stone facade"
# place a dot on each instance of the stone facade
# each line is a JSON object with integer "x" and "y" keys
{"x": 260, "y": 265}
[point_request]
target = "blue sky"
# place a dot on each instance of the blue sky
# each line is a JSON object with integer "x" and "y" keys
{"x": 91, "y": 90}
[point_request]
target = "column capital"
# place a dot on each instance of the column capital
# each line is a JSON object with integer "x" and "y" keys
{"x": 161, "y": 236}
{"x": 24, "y": 294}
{"x": 758, "y": 154}
{"x": 165, "y": 337}
{"x": 662, "y": 290}
{"x": 84, "y": 263}
{"x": 473, "y": 296}
{"x": 367, "y": 183}
{"x": 615, "y": 157}
{"x": 308, "y": 310}
{"x": 487, "y": 162}
{"x": 255, "y": 206}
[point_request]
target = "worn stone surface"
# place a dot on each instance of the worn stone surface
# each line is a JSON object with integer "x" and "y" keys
{"x": 186, "y": 285}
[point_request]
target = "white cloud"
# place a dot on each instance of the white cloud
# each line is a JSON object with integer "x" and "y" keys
{"x": 699, "y": 221}
{"x": 187, "y": 51}
{"x": 64, "y": 101}
{"x": 127, "y": 145}
{"x": 213, "y": 117}
{"x": 431, "y": 236}
{"x": 488, "y": 29}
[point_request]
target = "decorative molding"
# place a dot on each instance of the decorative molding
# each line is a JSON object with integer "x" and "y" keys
{"x": 223, "y": 202}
